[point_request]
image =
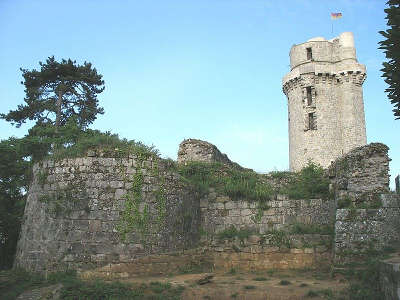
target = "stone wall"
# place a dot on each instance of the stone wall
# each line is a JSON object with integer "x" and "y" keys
{"x": 361, "y": 174}
{"x": 270, "y": 251}
{"x": 368, "y": 215}
{"x": 87, "y": 212}
{"x": 251, "y": 254}
{"x": 197, "y": 150}
{"x": 220, "y": 212}
{"x": 360, "y": 230}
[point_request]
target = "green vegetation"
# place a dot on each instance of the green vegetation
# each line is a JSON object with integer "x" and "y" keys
{"x": 13, "y": 283}
{"x": 280, "y": 239}
{"x": 260, "y": 279}
{"x": 230, "y": 181}
{"x": 301, "y": 228}
{"x": 249, "y": 287}
{"x": 15, "y": 176}
{"x": 309, "y": 183}
{"x": 232, "y": 232}
{"x": 390, "y": 46}
{"x": 344, "y": 202}
{"x": 285, "y": 282}
{"x": 58, "y": 92}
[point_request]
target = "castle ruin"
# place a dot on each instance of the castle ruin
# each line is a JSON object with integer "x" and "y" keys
{"x": 325, "y": 100}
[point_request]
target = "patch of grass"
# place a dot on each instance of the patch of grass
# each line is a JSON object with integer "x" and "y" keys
{"x": 234, "y": 295}
{"x": 309, "y": 183}
{"x": 232, "y": 232}
{"x": 231, "y": 181}
{"x": 344, "y": 202}
{"x": 159, "y": 287}
{"x": 249, "y": 287}
{"x": 13, "y": 283}
{"x": 232, "y": 271}
{"x": 260, "y": 279}
{"x": 303, "y": 285}
{"x": 285, "y": 282}
{"x": 312, "y": 294}
{"x": 301, "y": 228}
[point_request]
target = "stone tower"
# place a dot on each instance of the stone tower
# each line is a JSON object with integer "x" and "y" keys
{"x": 325, "y": 100}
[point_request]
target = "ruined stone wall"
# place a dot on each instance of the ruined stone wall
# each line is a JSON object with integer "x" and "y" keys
{"x": 85, "y": 212}
{"x": 219, "y": 213}
{"x": 334, "y": 79}
{"x": 361, "y": 174}
{"x": 368, "y": 215}
{"x": 359, "y": 230}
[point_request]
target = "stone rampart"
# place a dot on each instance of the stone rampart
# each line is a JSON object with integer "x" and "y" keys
{"x": 87, "y": 212}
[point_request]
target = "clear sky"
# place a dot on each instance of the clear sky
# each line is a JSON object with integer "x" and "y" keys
{"x": 208, "y": 69}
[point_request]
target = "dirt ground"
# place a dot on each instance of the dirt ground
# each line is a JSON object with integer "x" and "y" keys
{"x": 270, "y": 285}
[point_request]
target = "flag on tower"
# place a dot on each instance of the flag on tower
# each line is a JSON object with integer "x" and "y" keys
{"x": 335, "y": 16}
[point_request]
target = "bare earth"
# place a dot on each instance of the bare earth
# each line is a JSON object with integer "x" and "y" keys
{"x": 266, "y": 285}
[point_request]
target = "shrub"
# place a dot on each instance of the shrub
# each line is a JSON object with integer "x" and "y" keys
{"x": 310, "y": 182}
{"x": 233, "y": 182}
{"x": 344, "y": 203}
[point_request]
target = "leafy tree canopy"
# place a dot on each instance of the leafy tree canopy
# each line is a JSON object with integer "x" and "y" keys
{"x": 14, "y": 180}
{"x": 391, "y": 47}
{"x": 59, "y": 91}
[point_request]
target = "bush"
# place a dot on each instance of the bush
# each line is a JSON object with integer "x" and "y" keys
{"x": 232, "y": 232}
{"x": 233, "y": 182}
{"x": 310, "y": 182}
{"x": 344, "y": 203}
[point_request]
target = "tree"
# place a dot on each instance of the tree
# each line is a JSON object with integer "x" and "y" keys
{"x": 15, "y": 174}
{"x": 59, "y": 91}
{"x": 391, "y": 47}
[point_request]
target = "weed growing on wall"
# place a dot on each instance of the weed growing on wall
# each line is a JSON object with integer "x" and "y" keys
{"x": 310, "y": 182}
{"x": 232, "y": 232}
{"x": 136, "y": 216}
{"x": 230, "y": 181}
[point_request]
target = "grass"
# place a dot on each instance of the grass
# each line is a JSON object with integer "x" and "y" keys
{"x": 260, "y": 279}
{"x": 300, "y": 228}
{"x": 227, "y": 180}
{"x": 308, "y": 183}
{"x": 232, "y": 232}
{"x": 249, "y": 287}
{"x": 13, "y": 283}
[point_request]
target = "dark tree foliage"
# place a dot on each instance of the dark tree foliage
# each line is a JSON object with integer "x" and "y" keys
{"x": 59, "y": 91}
{"x": 14, "y": 180}
{"x": 391, "y": 47}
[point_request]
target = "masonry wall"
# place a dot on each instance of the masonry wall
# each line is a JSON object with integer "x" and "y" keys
{"x": 219, "y": 213}
{"x": 359, "y": 230}
{"x": 368, "y": 214}
{"x": 77, "y": 211}
{"x": 361, "y": 174}
{"x": 335, "y": 79}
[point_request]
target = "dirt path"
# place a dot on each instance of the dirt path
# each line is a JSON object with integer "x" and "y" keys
{"x": 279, "y": 285}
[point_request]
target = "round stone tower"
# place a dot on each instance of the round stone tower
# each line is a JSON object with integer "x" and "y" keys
{"x": 325, "y": 100}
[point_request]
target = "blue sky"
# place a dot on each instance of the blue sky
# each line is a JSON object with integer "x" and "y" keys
{"x": 208, "y": 69}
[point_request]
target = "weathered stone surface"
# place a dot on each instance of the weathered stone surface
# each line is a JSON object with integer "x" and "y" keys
{"x": 326, "y": 83}
{"x": 81, "y": 229}
{"x": 362, "y": 173}
{"x": 197, "y": 150}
